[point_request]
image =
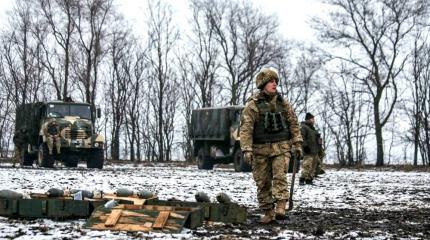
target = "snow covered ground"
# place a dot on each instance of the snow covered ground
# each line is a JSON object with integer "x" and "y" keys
{"x": 341, "y": 204}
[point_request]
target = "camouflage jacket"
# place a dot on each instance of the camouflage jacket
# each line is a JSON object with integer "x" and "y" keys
{"x": 250, "y": 115}
{"x": 311, "y": 139}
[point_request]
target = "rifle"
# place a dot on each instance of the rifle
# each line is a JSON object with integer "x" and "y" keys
{"x": 293, "y": 178}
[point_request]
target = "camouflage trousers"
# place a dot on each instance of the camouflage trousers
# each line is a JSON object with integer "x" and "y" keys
{"x": 310, "y": 162}
{"x": 18, "y": 156}
{"x": 51, "y": 141}
{"x": 270, "y": 176}
{"x": 318, "y": 167}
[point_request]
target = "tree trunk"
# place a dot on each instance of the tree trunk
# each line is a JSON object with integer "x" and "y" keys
{"x": 115, "y": 145}
{"x": 379, "y": 143}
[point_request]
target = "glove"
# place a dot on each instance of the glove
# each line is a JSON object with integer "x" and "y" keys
{"x": 247, "y": 156}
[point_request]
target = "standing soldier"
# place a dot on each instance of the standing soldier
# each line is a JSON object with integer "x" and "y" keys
{"x": 19, "y": 140}
{"x": 321, "y": 154}
{"x": 312, "y": 144}
{"x": 268, "y": 128}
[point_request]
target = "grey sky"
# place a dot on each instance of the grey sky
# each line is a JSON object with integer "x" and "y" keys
{"x": 293, "y": 15}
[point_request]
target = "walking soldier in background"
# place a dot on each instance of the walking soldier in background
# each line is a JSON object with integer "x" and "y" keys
{"x": 268, "y": 129}
{"x": 19, "y": 140}
{"x": 312, "y": 145}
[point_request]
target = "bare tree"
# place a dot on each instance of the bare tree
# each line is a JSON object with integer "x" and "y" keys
{"x": 300, "y": 80}
{"x": 418, "y": 107}
{"x": 373, "y": 32}
{"x": 135, "y": 67}
{"x": 92, "y": 27}
{"x": 59, "y": 15}
{"x": 248, "y": 40}
{"x": 117, "y": 88}
{"x": 21, "y": 58}
{"x": 348, "y": 122}
{"x": 163, "y": 87}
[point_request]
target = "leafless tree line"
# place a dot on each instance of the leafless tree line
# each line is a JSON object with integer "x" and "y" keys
{"x": 355, "y": 80}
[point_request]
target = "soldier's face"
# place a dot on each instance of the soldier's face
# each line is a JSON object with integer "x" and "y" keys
{"x": 270, "y": 87}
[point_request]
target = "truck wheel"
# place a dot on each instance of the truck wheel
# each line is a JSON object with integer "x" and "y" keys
{"x": 239, "y": 163}
{"x": 95, "y": 159}
{"x": 44, "y": 158}
{"x": 71, "y": 160}
{"x": 203, "y": 160}
{"x": 27, "y": 159}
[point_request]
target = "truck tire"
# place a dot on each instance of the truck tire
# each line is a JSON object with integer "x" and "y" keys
{"x": 95, "y": 159}
{"x": 204, "y": 160}
{"x": 239, "y": 163}
{"x": 71, "y": 160}
{"x": 44, "y": 158}
{"x": 27, "y": 159}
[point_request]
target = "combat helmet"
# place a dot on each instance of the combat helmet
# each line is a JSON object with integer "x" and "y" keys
{"x": 264, "y": 76}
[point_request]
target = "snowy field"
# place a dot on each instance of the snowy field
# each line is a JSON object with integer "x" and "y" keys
{"x": 343, "y": 204}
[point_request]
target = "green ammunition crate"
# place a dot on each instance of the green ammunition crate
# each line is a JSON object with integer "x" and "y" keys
{"x": 47, "y": 208}
{"x": 216, "y": 212}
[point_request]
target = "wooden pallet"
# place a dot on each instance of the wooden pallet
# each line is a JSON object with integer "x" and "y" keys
{"x": 126, "y": 200}
{"x": 140, "y": 218}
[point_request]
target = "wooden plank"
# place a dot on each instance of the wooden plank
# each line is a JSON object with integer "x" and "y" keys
{"x": 132, "y": 207}
{"x": 148, "y": 224}
{"x": 176, "y": 229}
{"x": 121, "y": 227}
{"x": 161, "y": 219}
{"x": 175, "y": 215}
{"x": 113, "y": 217}
{"x": 135, "y": 219}
{"x": 134, "y": 200}
{"x": 126, "y": 213}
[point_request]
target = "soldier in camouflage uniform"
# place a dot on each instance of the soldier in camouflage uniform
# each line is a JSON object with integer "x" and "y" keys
{"x": 319, "y": 170}
{"x": 19, "y": 140}
{"x": 312, "y": 145}
{"x": 51, "y": 131}
{"x": 268, "y": 129}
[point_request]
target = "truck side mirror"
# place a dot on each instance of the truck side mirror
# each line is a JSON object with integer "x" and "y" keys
{"x": 99, "y": 113}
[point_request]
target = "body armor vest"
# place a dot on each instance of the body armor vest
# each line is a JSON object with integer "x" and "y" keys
{"x": 271, "y": 126}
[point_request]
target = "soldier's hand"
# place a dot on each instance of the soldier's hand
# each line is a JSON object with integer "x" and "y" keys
{"x": 247, "y": 156}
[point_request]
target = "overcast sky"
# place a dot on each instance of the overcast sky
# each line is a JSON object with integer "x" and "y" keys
{"x": 293, "y": 15}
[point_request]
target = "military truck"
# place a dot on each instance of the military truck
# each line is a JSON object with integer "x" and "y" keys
{"x": 59, "y": 130}
{"x": 215, "y": 135}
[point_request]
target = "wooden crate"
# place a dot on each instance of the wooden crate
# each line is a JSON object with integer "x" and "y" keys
{"x": 143, "y": 218}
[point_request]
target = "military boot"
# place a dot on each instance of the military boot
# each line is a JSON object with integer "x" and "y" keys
{"x": 309, "y": 181}
{"x": 280, "y": 210}
{"x": 301, "y": 181}
{"x": 268, "y": 216}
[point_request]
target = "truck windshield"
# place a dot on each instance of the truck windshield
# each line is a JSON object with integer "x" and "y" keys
{"x": 62, "y": 110}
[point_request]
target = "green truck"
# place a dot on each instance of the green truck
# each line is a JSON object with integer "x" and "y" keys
{"x": 215, "y": 135}
{"x": 58, "y": 130}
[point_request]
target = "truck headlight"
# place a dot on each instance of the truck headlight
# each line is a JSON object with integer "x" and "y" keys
{"x": 96, "y": 144}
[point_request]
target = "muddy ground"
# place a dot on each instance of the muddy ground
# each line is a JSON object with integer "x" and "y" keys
{"x": 342, "y": 204}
